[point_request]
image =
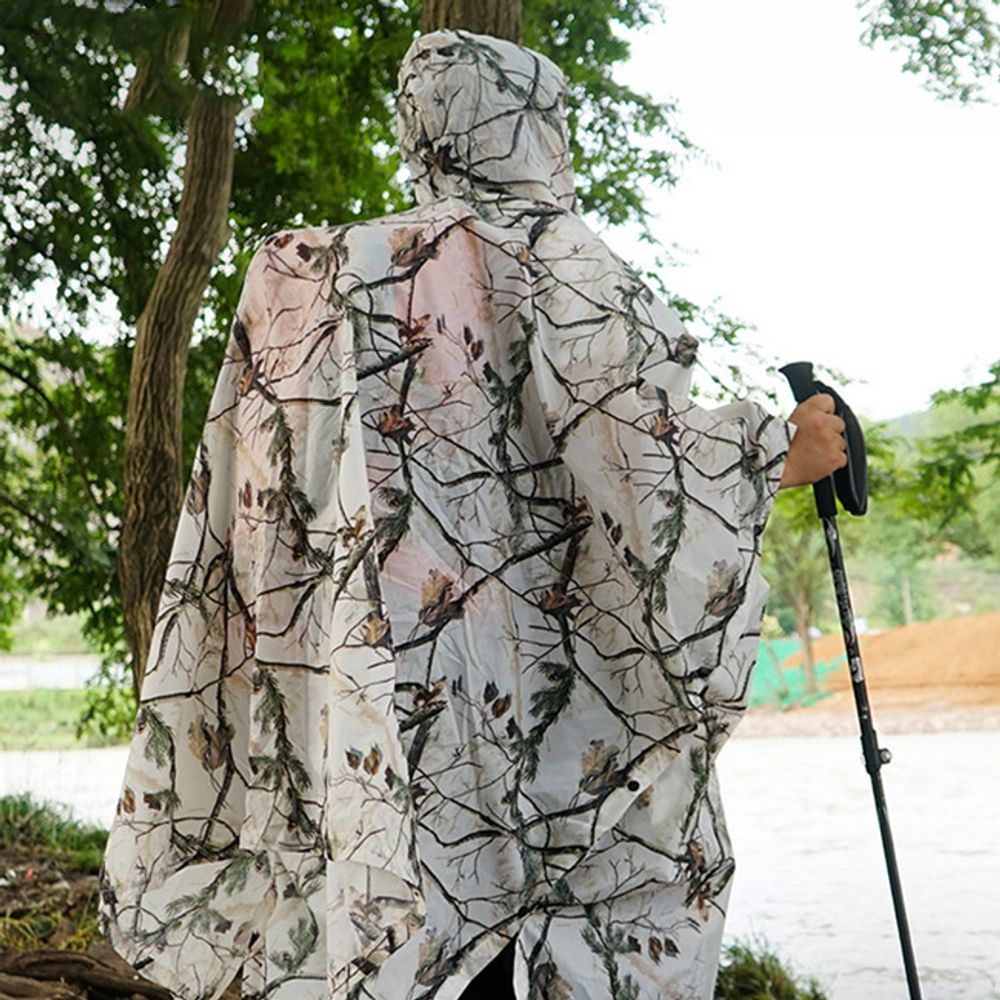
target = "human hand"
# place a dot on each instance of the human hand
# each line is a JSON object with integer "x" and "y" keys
{"x": 819, "y": 447}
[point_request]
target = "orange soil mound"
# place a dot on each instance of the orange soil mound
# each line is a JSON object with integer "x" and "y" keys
{"x": 951, "y": 654}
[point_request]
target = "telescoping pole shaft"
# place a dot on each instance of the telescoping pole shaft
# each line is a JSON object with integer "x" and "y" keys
{"x": 850, "y": 484}
{"x": 874, "y": 756}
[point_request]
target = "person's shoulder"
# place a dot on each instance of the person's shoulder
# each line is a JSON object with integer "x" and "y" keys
{"x": 301, "y": 250}
{"x": 429, "y": 213}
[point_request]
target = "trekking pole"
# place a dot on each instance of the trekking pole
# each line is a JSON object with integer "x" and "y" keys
{"x": 851, "y": 485}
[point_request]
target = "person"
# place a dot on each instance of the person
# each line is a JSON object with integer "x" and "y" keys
{"x": 463, "y": 601}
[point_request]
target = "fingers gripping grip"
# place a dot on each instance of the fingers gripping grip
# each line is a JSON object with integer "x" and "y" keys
{"x": 850, "y": 482}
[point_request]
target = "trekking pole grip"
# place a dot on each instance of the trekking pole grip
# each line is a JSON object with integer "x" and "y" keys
{"x": 803, "y": 385}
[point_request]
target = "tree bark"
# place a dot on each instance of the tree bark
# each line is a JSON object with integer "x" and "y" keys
{"x": 907, "y": 600}
{"x": 802, "y": 616}
{"x": 500, "y": 18}
{"x": 153, "y": 471}
{"x": 66, "y": 975}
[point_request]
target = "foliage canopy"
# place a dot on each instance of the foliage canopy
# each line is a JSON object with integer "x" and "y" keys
{"x": 94, "y": 100}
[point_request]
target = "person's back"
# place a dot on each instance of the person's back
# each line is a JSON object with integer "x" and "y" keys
{"x": 486, "y": 600}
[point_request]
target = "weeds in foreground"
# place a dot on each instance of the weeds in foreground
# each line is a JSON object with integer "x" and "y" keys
{"x": 48, "y": 892}
{"x": 25, "y": 823}
{"x": 19, "y": 934}
{"x": 752, "y": 971}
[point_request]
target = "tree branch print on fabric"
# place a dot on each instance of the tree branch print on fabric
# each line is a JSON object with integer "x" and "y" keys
{"x": 462, "y": 606}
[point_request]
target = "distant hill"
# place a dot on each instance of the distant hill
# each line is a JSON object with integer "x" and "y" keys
{"x": 935, "y": 420}
{"x": 910, "y": 426}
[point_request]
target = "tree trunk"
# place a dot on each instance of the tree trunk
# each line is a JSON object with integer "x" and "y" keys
{"x": 907, "y": 601}
{"x": 802, "y": 615}
{"x": 500, "y": 18}
{"x": 153, "y": 472}
{"x": 55, "y": 974}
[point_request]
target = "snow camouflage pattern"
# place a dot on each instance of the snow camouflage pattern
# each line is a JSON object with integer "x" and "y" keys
{"x": 462, "y": 604}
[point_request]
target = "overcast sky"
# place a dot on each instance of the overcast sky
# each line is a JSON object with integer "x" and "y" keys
{"x": 851, "y": 216}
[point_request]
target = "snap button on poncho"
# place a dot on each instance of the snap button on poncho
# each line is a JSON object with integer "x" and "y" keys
{"x": 462, "y": 603}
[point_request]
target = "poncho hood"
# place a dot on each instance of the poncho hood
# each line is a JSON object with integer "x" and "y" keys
{"x": 462, "y": 604}
{"x": 484, "y": 120}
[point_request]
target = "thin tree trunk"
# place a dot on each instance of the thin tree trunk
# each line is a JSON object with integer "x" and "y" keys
{"x": 907, "y": 601}
{"x": 808, "y": 659}
{"x": 500, "y": 18}
{"x": 153, "y": 471}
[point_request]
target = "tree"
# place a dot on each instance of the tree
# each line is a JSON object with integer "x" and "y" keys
{"x": 135, "y": 184}
{"x": 956, "y": 471}
{"x": 61, "y": 406}
{"x": 152, "y": 481}
{"x": 953, "y": 44}
{"x": 11, "y": 601}
{"x": 796, "y": 565}
{"x": 485, "y": 17}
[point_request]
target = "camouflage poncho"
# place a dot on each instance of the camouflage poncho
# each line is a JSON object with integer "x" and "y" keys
{"x": 463, "y": 601}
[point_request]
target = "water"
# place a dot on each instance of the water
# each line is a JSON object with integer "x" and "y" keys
{"x": 810, "y": 874}
{"x": 18, "y": 673}
{"x": 88, "y": 781}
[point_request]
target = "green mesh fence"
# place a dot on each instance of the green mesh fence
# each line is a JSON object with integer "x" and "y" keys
{"x": 785, "y": 688}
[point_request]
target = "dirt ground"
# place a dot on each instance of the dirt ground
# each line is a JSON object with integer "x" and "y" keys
{"x": 50, "y": 946}
{"x": 925, "y": 677}
{"x": 42, "y": 901}
{"x": 47, "y": 934}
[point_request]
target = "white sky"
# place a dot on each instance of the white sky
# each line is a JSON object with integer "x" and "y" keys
{"x": 851, "y": 216}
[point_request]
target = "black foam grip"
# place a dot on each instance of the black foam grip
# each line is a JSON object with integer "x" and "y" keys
{"x": 803, "y": 385}
{"x": 850, "y": 482}
{"x": 800, "y": 378}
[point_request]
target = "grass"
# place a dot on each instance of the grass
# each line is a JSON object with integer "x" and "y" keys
{"x": 46, "y": 636}
{"x": 752, "y": 971}
{"x": 37, "y": 931}
{"x": 44, "y": 719}
{"x": 44, "y": 836}
{"x": 26, "y": 822}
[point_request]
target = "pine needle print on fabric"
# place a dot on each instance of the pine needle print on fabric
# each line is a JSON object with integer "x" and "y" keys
{"x": 462, "y": 604}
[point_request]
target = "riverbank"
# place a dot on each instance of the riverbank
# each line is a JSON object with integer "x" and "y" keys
{"x": 939, "y": 710}
{"x": 928, "y": 677}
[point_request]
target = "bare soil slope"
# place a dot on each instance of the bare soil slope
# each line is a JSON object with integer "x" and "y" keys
{"x": 953, "y": 653}
{"x": 927, "y": 676}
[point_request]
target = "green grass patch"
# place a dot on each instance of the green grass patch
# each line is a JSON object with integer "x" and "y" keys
{"x": 53, "y": 636}
{"x": 25, "y": 822}
{"x": 750, "y": 970}
{"x": 45, "y": 719}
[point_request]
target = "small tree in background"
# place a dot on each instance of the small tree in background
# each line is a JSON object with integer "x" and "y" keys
{"x": 796, "y": 565}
